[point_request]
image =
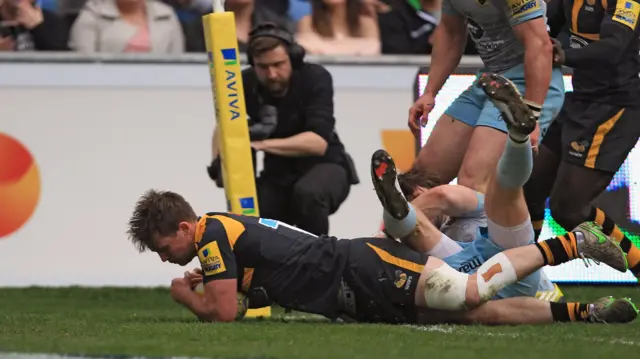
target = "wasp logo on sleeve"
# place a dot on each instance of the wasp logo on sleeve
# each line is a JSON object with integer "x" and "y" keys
{"x": 523, "y": 7}
{"x": 211, "y": 259}
{"x": 627, "y": 13}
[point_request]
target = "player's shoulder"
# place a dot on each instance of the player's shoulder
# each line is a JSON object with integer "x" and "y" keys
{"x": 217, "y": 226}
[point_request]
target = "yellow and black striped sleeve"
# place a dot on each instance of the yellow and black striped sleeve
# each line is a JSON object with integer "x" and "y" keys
{"x": 215, "y": 238}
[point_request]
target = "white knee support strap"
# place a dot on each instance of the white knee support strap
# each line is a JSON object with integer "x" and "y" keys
{"x": 493, "y": 275}
{"x": 445, "y": 288}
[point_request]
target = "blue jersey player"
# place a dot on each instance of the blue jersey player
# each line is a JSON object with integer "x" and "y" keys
{"x": 512, "y": 40}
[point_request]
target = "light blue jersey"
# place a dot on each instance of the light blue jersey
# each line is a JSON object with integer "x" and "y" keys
{"x": 490, "y": 26}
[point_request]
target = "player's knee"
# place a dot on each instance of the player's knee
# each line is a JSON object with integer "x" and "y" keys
{"x": 492, "y": 276}
{"x": 445, "y": 288}
{"x": 474, "y": 177}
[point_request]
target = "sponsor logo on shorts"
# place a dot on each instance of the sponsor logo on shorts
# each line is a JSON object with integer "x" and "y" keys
{"x": 401, "y": 279}
{"x": 577, "y": 148}
{"x": 470, "y": 265}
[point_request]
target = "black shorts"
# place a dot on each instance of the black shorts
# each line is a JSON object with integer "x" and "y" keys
{"x": 383, "y": 275}
{"x": 594, "y": 135}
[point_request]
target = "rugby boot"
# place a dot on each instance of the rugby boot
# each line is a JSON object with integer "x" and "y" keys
{"x": 593, "y": 244}
{"x": 505, "y": 96}
{"x": 608, "y": 310}
{"x": 384, "y": 178}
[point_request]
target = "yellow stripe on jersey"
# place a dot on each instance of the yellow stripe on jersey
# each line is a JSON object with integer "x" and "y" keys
{"x": 398, "y": 262}
{"x": 234, "y": 228}
{"x": 200, "y": 228}
{"x": 246, "y": 279}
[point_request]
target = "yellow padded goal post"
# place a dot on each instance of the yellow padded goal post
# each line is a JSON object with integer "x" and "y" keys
{"x": 231, "y": 116}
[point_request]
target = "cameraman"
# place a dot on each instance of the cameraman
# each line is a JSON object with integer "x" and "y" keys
{"x": 307, "y": 173}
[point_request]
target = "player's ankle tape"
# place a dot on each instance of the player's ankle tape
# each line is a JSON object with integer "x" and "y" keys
{"x": 399, "y": 228}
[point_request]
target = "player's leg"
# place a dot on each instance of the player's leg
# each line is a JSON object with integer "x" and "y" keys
{"x": 401, "y": 219}
{"x": 540, "y": 183}
{"x": 481, "y": 158}
{"x": 527, "y": 310}
{"x": 596, "y": 141}
{"x": 508, "y": 218}
{"x": 442, "y": 155}
{"x": 442, "y": 287}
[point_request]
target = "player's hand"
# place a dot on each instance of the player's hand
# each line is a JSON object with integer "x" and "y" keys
{"x": 194, "y": 277}
{"x": 179, "y": 286}
{"x": 558, "y": 53}
{"x": 419, "y": 113}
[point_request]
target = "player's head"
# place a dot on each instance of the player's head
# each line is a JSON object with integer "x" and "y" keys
{"x": 274, "y": 54}
{"x": 164, "y": 223}
{"x": 416, "y": 181}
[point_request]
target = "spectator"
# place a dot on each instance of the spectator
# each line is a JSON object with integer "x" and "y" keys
{"x": 307, "y": 173}
{"x": 339, "y": 27}
{"x": 247, "y": 13}
{"x": 409, "y": 27}
{"x": 24, "y": 26}
{"x": 116, "y": 26}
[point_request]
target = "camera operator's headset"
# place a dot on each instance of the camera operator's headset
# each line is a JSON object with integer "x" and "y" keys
{"x": 270, "y": 29}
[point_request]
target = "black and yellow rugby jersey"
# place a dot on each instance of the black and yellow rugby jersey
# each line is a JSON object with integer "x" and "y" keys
{"x": 272, "y": 261}
{"x": 604, "y": 51}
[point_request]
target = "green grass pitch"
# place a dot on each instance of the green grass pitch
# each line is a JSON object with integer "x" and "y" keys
{"x": 145, "y": 322}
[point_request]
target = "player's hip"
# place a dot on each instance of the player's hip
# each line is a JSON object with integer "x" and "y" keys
{"x": 382, "y": 277}
{"x": 473, "y": 107}
{"x": 594, "y": 134}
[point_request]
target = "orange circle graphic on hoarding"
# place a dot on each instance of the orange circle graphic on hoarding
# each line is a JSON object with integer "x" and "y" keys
{"x": 19, "y": 185}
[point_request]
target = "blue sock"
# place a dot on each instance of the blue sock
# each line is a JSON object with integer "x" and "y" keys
{"x": 399, "y": 228}
{"x": 516, "y": 163}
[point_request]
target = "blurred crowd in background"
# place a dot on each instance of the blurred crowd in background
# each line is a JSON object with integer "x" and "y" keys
{"x": 327, "y": 27}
